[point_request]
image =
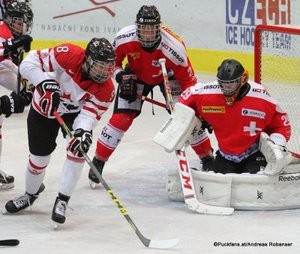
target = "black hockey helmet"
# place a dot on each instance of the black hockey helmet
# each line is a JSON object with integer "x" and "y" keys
{"x": 148, "y": 26}
{"x": 19, "y": 18}
{"x": 231, "y": 76}
{"x": 100, "y": 59}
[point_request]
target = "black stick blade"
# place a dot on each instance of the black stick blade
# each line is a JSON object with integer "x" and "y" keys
{"x": 9, "y": 242}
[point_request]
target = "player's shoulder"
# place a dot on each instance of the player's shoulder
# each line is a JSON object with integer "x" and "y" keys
{"x": 173, "y": 47}
{"x": 170, "y": 35}
{"x": 69, "y": 48}
{"x": 5, "y": 32}
{"x": 68, "y": 54}
{"x": 259, "y": 91}
{"x": 126, "y": 34}
{"x": 104, "y": 92}
{"x": 209, "y": 87}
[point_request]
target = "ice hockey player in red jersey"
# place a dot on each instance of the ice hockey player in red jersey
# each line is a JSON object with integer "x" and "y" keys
{"x": 239, "y": 111}
{"x": 14, "y": 38}
{"x": 143, "y": 44}
{"x": 77, "y": 84}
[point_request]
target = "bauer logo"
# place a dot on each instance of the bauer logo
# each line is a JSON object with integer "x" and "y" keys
{"x": 243, "y": 15}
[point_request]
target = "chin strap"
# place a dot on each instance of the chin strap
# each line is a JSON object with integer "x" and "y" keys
{"x": 244, "y": 89}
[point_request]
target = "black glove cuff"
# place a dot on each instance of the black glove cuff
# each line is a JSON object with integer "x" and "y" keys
{"x": 119, "y": 76}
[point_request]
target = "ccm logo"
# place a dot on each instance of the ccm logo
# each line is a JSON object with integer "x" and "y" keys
{"x": 184, "y": 168}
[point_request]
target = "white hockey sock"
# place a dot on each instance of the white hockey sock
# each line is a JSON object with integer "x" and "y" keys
{"x": 70, "y": 175}
{"x": 35, "y": 173}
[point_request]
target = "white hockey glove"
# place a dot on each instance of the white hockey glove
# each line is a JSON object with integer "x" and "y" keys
{"x": 81, "y": 141}
{"x": 277, "y": 156}
{"x": 49, "y": 91}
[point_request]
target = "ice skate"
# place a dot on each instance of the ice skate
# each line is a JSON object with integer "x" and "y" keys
{"x": 22, "y": 202}
{"x": 6, "y": 181}
{"x": 94, "y": 180}
{"x": 59, "y": 212}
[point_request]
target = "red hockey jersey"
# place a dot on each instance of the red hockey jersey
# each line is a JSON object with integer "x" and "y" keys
{"x": 63, "y": 63}
{"x": 145, "y": 64}
{"x": 237, "y": 127}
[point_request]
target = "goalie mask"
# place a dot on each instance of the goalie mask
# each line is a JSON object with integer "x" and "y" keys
{"x": 148, "y": 26}
{"x": 231, "y": 77}
{"x": 19, "y": 17}
{"x": 100, "y": 59}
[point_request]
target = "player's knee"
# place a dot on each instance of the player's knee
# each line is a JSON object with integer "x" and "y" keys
{"x": 122, "y": 121}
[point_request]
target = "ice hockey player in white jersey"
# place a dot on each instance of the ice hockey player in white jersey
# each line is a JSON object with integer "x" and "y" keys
{"x": 14, "y": 39}
{"x": 77, "y": 84}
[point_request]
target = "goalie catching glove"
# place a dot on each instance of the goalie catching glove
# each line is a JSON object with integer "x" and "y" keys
{"x": 277, "y": 156}
{"x": 49, "y": 91}
{"x": 127, "y": 86}
{"x": 81, "y": 141}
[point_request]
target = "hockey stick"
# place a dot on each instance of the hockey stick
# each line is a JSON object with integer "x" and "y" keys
{"x": 159, "y": 244}
{"x": 9, "y": 242}
{"x": 189, "y": 193}
{"x": 187, "y": 184}
{"x": 158, "y": 103}
{"x": 170, "y": 102}
{"x": 19, "y": 74}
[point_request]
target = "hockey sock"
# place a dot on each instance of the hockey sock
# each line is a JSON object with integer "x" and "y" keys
{"x": 70, "y": 175}
{"x": 35, "y": 173}
{"x": 112, "y": 133}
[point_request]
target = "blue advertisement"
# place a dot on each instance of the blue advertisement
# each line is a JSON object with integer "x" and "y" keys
{"x": 243, "y": 15}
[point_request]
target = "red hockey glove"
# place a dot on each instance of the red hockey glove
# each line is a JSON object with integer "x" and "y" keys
{"x": 50, "y": 96}
{"x": 82, "y": 140}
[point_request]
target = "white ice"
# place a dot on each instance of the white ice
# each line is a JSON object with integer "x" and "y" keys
{"x": 137, "y": 175}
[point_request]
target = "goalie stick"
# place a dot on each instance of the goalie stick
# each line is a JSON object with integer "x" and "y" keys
{"x": 189, "y": 193}
{"x": 158, "y": 244}
{"x": 9, "y": 242}
{"x": 186, "y": 179}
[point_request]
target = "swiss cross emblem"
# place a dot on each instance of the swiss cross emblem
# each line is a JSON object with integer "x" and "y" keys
{"x": 252, "y": 128}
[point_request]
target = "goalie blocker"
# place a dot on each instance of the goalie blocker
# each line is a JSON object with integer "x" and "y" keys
{"x": 264, "y": 191}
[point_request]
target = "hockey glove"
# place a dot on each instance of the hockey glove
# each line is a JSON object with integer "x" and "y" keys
{"x": 11, "y": 104}
{"x": 11, "y": 46}
{"x": 277, "y": 156}
{"x": 27, "y": 91}
{"x": 206, "y": 125}
{"x": 81, "y": 141}
{"x": 128, "y": 88}
{"x": 50, "y": 96}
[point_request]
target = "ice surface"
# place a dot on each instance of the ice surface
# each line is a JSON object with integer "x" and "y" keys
{"x": 137, "y": 175}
